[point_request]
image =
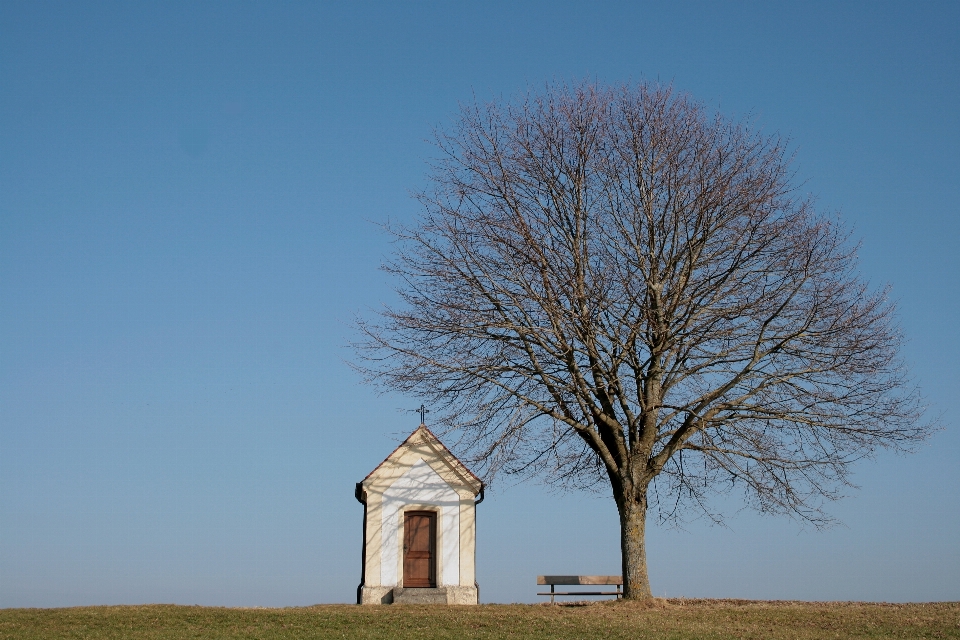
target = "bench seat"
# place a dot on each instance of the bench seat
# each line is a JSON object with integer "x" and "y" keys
{"x": 580, "y": 581}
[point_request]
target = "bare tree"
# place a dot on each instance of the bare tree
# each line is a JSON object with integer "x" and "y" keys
{"x": 612, "y": 285}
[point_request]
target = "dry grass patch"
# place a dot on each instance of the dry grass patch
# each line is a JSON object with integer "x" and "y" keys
{"x": 658, "y": 619}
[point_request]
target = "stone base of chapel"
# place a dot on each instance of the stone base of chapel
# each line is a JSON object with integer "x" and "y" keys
{"x": 398, "y": 595}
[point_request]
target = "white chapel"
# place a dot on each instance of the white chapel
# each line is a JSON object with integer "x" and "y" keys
{"x": 419, "y": 526}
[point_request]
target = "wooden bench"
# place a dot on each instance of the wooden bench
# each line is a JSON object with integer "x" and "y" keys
{"x": 580, "y": 580}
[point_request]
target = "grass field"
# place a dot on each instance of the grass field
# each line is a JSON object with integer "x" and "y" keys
{"x": 675, "y": 619}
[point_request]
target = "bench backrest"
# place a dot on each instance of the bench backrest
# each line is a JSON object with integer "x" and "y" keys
{"x": 579, "y": 580}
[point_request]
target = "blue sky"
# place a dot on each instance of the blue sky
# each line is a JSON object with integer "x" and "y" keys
{"x": 188, "y": 199}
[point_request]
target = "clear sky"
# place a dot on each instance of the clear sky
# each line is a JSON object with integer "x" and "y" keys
{"x": 188, "y": 199}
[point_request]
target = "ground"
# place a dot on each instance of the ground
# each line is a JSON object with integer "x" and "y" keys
{"x": 674, "y": 618}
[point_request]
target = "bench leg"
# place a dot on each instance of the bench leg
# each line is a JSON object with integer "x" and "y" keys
{"x": 551, "y": 594}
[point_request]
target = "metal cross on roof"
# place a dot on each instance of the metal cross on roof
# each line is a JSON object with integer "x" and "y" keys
{"x": 423, "y": 413}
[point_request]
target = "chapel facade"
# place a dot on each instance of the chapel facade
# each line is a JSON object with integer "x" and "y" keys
{"x": 419, "y": 526}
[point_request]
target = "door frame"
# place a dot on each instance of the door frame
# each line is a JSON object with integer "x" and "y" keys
{"x": 434, "y": 515}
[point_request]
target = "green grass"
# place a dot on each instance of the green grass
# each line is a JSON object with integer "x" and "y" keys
{"x": 675, "y": 619}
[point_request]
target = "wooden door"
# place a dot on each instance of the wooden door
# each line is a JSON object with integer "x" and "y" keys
{"x": 419, "y": 549}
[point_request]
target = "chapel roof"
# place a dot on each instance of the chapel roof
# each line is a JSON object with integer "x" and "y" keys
{"x": 439, "y": 448}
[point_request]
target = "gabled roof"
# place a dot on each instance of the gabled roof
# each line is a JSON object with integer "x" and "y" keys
{"x": 423, "y": 435}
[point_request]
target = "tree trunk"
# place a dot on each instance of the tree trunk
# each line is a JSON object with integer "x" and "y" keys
{"x": 633, "y": 549}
